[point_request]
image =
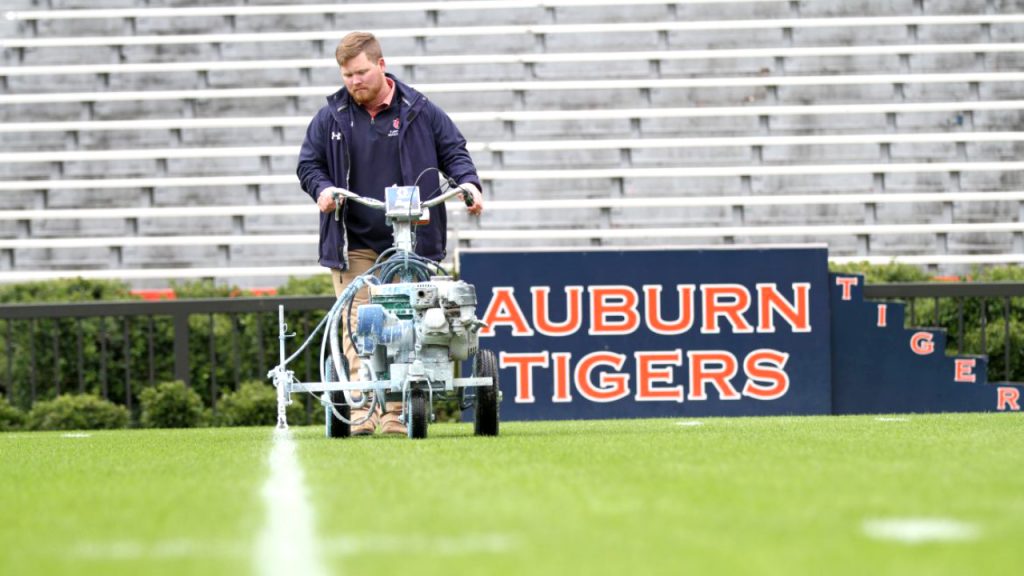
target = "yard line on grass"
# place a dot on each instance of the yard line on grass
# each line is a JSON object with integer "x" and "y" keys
{"x": 890, "y": 419}
{"x": 288, "y": 544}
{"x": 921, "y": 530}
{"x": 690, "y": 423}
{"x": 75, "y": 435}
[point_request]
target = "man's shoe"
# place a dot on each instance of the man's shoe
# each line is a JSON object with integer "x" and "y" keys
{"x": 366, "y": 428}
{"x": 390, "y": 422}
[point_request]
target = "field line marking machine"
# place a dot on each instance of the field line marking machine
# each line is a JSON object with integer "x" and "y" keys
{"x": 418, "y": 324}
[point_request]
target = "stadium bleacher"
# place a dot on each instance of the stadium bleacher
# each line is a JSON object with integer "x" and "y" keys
{"x": 152, "y": 140}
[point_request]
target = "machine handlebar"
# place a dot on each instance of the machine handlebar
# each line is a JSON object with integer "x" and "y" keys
{"x": 452, "y": 190}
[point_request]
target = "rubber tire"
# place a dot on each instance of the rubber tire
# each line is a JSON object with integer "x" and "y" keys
{"x": 334, "y": 427}
{"x": 419, "y": 416}
{"x": 485, "y": 421}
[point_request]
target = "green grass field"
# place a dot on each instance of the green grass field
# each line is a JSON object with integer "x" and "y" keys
{"x": 752, "y": 495}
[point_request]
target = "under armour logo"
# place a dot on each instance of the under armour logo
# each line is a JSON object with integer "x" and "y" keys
{"x": 335, "y": 135}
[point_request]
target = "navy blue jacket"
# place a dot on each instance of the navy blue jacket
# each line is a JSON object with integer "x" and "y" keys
{"x": 427, "y": 137}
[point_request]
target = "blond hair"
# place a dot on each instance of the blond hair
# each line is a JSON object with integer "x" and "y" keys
{"x": 356, "y": 43}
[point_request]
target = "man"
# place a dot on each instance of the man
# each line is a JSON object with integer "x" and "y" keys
{"x": 374, "y": 133}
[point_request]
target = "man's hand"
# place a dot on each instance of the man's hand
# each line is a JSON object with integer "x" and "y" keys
{"x": 326, "y": 200}
{"x": 478, "y": 198}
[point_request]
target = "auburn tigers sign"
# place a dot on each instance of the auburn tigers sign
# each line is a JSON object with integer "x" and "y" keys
{"x": 623, "y": 333}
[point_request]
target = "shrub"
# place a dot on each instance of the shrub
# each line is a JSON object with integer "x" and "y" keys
{"x": 70, "y": 290}
{"x": 882, "y": 273}
{"x": 1009, "y": 273}
{"x": 255, "y": 404}
{"x": 319, "y": 285}
{"x": 10, "y": 417}
{"x": 77, "y": 412}
{"x": 203, "y": 289}
{"x": 171, "y": 405}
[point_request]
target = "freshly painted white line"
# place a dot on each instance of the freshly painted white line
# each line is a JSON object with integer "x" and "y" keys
{"x": 75, "y": 435}
{"x": 921, "y": 530}
{"x": 288, "y": 544}
{"x": 891, "y": 419}
{"x": 690, "y": 423}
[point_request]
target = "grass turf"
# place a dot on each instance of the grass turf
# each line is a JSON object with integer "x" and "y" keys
{"x": 751, "y": 495}
{"x": 133, "y": 502}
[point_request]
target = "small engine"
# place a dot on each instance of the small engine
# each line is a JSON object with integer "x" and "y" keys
{"x": 417, "y": 330}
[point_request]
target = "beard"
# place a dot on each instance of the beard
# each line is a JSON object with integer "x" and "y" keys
{"x": 362, "y": 96}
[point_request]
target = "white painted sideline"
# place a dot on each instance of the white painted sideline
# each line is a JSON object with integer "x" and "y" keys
{"x": 288, "y": 544}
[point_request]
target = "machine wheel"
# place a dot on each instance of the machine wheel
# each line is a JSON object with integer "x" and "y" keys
{"x": 334, "y": 427}
{"x": 419, "y": 414}
{"x": 485, "y": 422}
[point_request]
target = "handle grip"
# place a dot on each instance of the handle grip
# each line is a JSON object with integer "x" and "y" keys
{"x": 467, "y": 196}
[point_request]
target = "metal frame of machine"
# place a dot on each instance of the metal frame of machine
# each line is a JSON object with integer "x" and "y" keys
{"x": 418, "y": 324}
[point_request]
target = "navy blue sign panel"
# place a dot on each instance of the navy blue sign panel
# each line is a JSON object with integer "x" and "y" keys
{"x": 649, "y": 333}
{"x": 879, "y": 366}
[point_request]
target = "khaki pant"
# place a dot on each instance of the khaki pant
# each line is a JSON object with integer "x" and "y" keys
{"x": 359, "y": 261}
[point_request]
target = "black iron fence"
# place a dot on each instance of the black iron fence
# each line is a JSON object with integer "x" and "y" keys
{"x": 114, "y": 349}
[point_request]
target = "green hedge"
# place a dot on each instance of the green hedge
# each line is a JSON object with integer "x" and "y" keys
{"x": 10, "y": 417}
{"x": 255, "y": 404}
{"x": 77, "y": 412}
{"x": 171, "y": 405}
{"x": 882, "y": 273}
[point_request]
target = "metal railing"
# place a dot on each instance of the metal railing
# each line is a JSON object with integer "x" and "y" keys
{"x": 87, "y": 344}
{"x": 138, "y": 323}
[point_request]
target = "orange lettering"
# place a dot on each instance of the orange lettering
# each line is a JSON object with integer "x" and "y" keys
{"x": 847, "y": 282}
{"x": 523, "y": 364}
{"x": 613, "y": 310}
{"x": 767, "y": 366}
{"x": 542, "y": 314}
{"x": 504, "y": 310}
{"x": 702, "y": 372}
{"x": 652, "y": 310}
{"x": 1008, "y": 397}
{"x": 922, "y": 343}
{"x": 737, "y": 302}
{"x": 647, "y": 374}
{"x": 965, "y": 370}
{"x": 610, "y": 387}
